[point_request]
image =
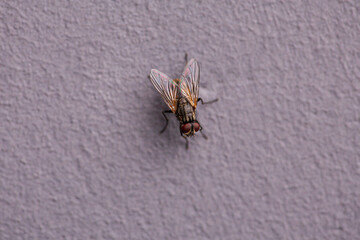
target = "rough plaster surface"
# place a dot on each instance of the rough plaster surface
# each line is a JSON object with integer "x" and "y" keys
{"x": 80, "y": 153}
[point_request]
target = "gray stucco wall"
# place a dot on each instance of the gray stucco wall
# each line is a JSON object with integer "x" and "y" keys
{"x": 80, "y": 153}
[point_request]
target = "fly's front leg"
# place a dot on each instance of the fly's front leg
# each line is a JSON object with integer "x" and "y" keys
{"x": 166, "y": 119}
{"x": 187, "y": 140}
{"x": 186, "y": 58}
{"x": 202, "y": 133}
{"x": 212, "y": 101}
{"x": 187, "y": 143}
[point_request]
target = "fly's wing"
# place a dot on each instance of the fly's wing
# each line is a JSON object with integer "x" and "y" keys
{"x": 189, "y": 82}
{"x": 166, "y": 87}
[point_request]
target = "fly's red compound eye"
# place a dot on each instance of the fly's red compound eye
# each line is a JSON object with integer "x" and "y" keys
{"x": 196, "y": 126}
{"x": 186, "y": 128}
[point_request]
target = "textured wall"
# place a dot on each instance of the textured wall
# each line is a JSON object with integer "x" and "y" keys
{"x": 80, "y": 153}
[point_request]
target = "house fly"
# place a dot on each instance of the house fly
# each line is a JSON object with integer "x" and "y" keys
{"x": 181, "y": 95}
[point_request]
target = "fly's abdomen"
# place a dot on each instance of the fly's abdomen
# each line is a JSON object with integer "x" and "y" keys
{"x": 185, "y": 112}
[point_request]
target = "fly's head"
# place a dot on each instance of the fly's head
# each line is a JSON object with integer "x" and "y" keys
{"x": 189, "y": 129}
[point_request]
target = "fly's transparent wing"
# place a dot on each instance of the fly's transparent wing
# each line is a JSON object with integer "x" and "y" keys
{"x": 189, "y": 82}
{"x": 166, "y": 87}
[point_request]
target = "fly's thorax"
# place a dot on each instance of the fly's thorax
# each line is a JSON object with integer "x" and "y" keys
{"x": 185, "y": 112}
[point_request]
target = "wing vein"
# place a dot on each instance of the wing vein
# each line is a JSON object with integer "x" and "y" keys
{"x": 166, "y": 87}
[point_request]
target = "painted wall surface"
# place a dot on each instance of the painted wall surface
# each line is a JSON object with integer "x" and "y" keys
{"x": 80, "y": 152}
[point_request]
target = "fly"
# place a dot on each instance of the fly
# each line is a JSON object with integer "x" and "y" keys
{"x": 181, "y": 95}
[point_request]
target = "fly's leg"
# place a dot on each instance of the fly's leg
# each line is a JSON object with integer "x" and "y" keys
{"x": 202, "y": 133}
{"x": 186, "y": 58}
{"x": 187, "y": 143}
{"x": 212, "y": 101}
{"x": 187, "y": 140}
{"x": 202, "y": 102}
{"x": 166, "y": 119}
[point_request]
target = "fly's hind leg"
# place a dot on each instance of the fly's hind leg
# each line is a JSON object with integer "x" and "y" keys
{"x": 186, "y": 58}
{"x": 212, "y": 101}
{"x": 166, "y": 119}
